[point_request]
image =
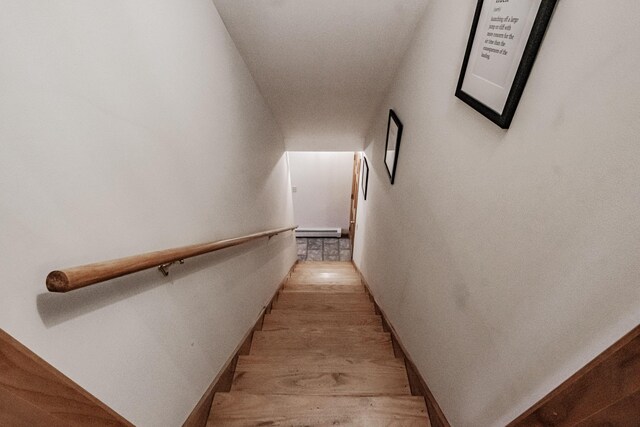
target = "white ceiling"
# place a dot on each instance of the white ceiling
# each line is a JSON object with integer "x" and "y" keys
{"x": 322, "y": 65}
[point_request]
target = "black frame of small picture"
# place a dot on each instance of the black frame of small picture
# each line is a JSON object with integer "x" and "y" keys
{"x": 365, "y": 177}
{"x": 393, "y": 117}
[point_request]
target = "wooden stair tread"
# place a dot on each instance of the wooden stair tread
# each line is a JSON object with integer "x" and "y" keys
{"x": 335, "y": 336}
{"x": 311, "y": 318}
{"x": 326, "y": 330}
{"x": 321, "y": 375}
{"x": 311, "y": 280}
{"x": 326, "y": 274}
{"x": 318, "y": 281}
{"x": 326, "y": 270}
{"x": 324, "y": 267}
{"x": 324, "y": 263}
{"x": 345, "y": 344}
{"x": 244, "y": 409}
{"x": 324, "y": 298}
{"x": 345, "y": 281}
{"x": 322, "y": 383}
{"x": 315, "y": 363}
{"x": 325, "y": 306}
{"x": 333, "y": 289}
{"x": 333, "y": 284}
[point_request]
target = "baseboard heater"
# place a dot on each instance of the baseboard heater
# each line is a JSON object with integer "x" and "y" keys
{"x": 319, "y": 232}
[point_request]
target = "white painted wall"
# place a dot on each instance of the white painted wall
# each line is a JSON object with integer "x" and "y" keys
{"x": 509, "y": 259}
{"x": 334, "y": 142}
{"x": 323, "y": 188}
{"x": 127, "y": 127}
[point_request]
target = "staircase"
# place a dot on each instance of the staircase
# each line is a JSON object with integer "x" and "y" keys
{"x": 321, "y": 358}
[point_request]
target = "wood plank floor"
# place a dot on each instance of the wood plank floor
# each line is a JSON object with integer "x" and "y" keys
{"x": 321, "y": 358}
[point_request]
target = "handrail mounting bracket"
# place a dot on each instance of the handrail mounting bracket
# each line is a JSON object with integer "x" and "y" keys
{"x": 164, "y": 267}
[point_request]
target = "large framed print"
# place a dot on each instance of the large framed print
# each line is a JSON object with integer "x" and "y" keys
{"x": 392, "y": 146}
{"x": 503, "y": 44}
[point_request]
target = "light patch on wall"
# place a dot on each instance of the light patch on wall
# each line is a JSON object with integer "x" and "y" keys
{"x": 323, "y": 188}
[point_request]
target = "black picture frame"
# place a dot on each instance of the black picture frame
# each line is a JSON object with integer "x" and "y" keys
{"x": 365, "y": 177}
{"x": 394, "y": 135}
{"x": 504, "y": 117}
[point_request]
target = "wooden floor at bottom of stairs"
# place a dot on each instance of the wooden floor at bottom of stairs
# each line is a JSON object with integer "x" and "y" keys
{"x": 321, "y": 359}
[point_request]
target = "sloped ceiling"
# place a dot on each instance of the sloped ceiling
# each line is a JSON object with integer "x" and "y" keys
{"x": 323, "y": 66}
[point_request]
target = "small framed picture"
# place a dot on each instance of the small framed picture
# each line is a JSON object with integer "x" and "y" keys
{"x": 392, "y": 146}
{"x": 365, "y": 177}
{"x": 503, "y": 44}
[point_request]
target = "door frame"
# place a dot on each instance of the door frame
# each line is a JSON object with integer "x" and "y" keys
{"x": 353, "y": 210}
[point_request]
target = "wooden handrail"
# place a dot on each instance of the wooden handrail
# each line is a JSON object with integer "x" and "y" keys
{"x": 78, "y": 277}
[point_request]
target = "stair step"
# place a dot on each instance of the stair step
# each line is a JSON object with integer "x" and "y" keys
{"x": 317, "y": 363}
{"x": 324, "y": 269}
{"x": 315, "y": 375}
{"x": 282, "y": 343}
{"x": 322, "y": 384}
{"x": 321, "y": 359}
{"x": 327, "y": 273}
{"x": 327, "y": 330}
{"x": 331, "y": 307}
{"x": 310, "y": 280}
{"x": 319, "y": 297}
{"x": 322, "y": 281}
{"x": 334, "y": 289}
{"x": 311, "y": 269}
{"x": 243, "y": 409}
{"x": 310, "y": 318}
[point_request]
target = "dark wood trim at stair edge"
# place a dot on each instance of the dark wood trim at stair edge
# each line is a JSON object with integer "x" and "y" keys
{"x": 595, "y": 392}
{"x": 416, "y": 381}
{"x": 33, "y": 392}
{"x": 222, "y": 382}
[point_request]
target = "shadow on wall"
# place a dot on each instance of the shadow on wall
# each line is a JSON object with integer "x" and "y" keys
{"x": 57, "y": 308}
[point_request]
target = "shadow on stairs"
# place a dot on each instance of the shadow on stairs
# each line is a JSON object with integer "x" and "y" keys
{"x": 321, "y": 357}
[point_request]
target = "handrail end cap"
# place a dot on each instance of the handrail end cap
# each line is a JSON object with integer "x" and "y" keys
{"x": 57, "y": 281}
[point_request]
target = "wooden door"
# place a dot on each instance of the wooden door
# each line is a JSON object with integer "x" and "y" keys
{"x": 354, "y": 197}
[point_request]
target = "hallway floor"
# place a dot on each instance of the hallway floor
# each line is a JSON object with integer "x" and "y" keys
{"x": 320, "y": 358}
{"x": 323, "y": 249}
